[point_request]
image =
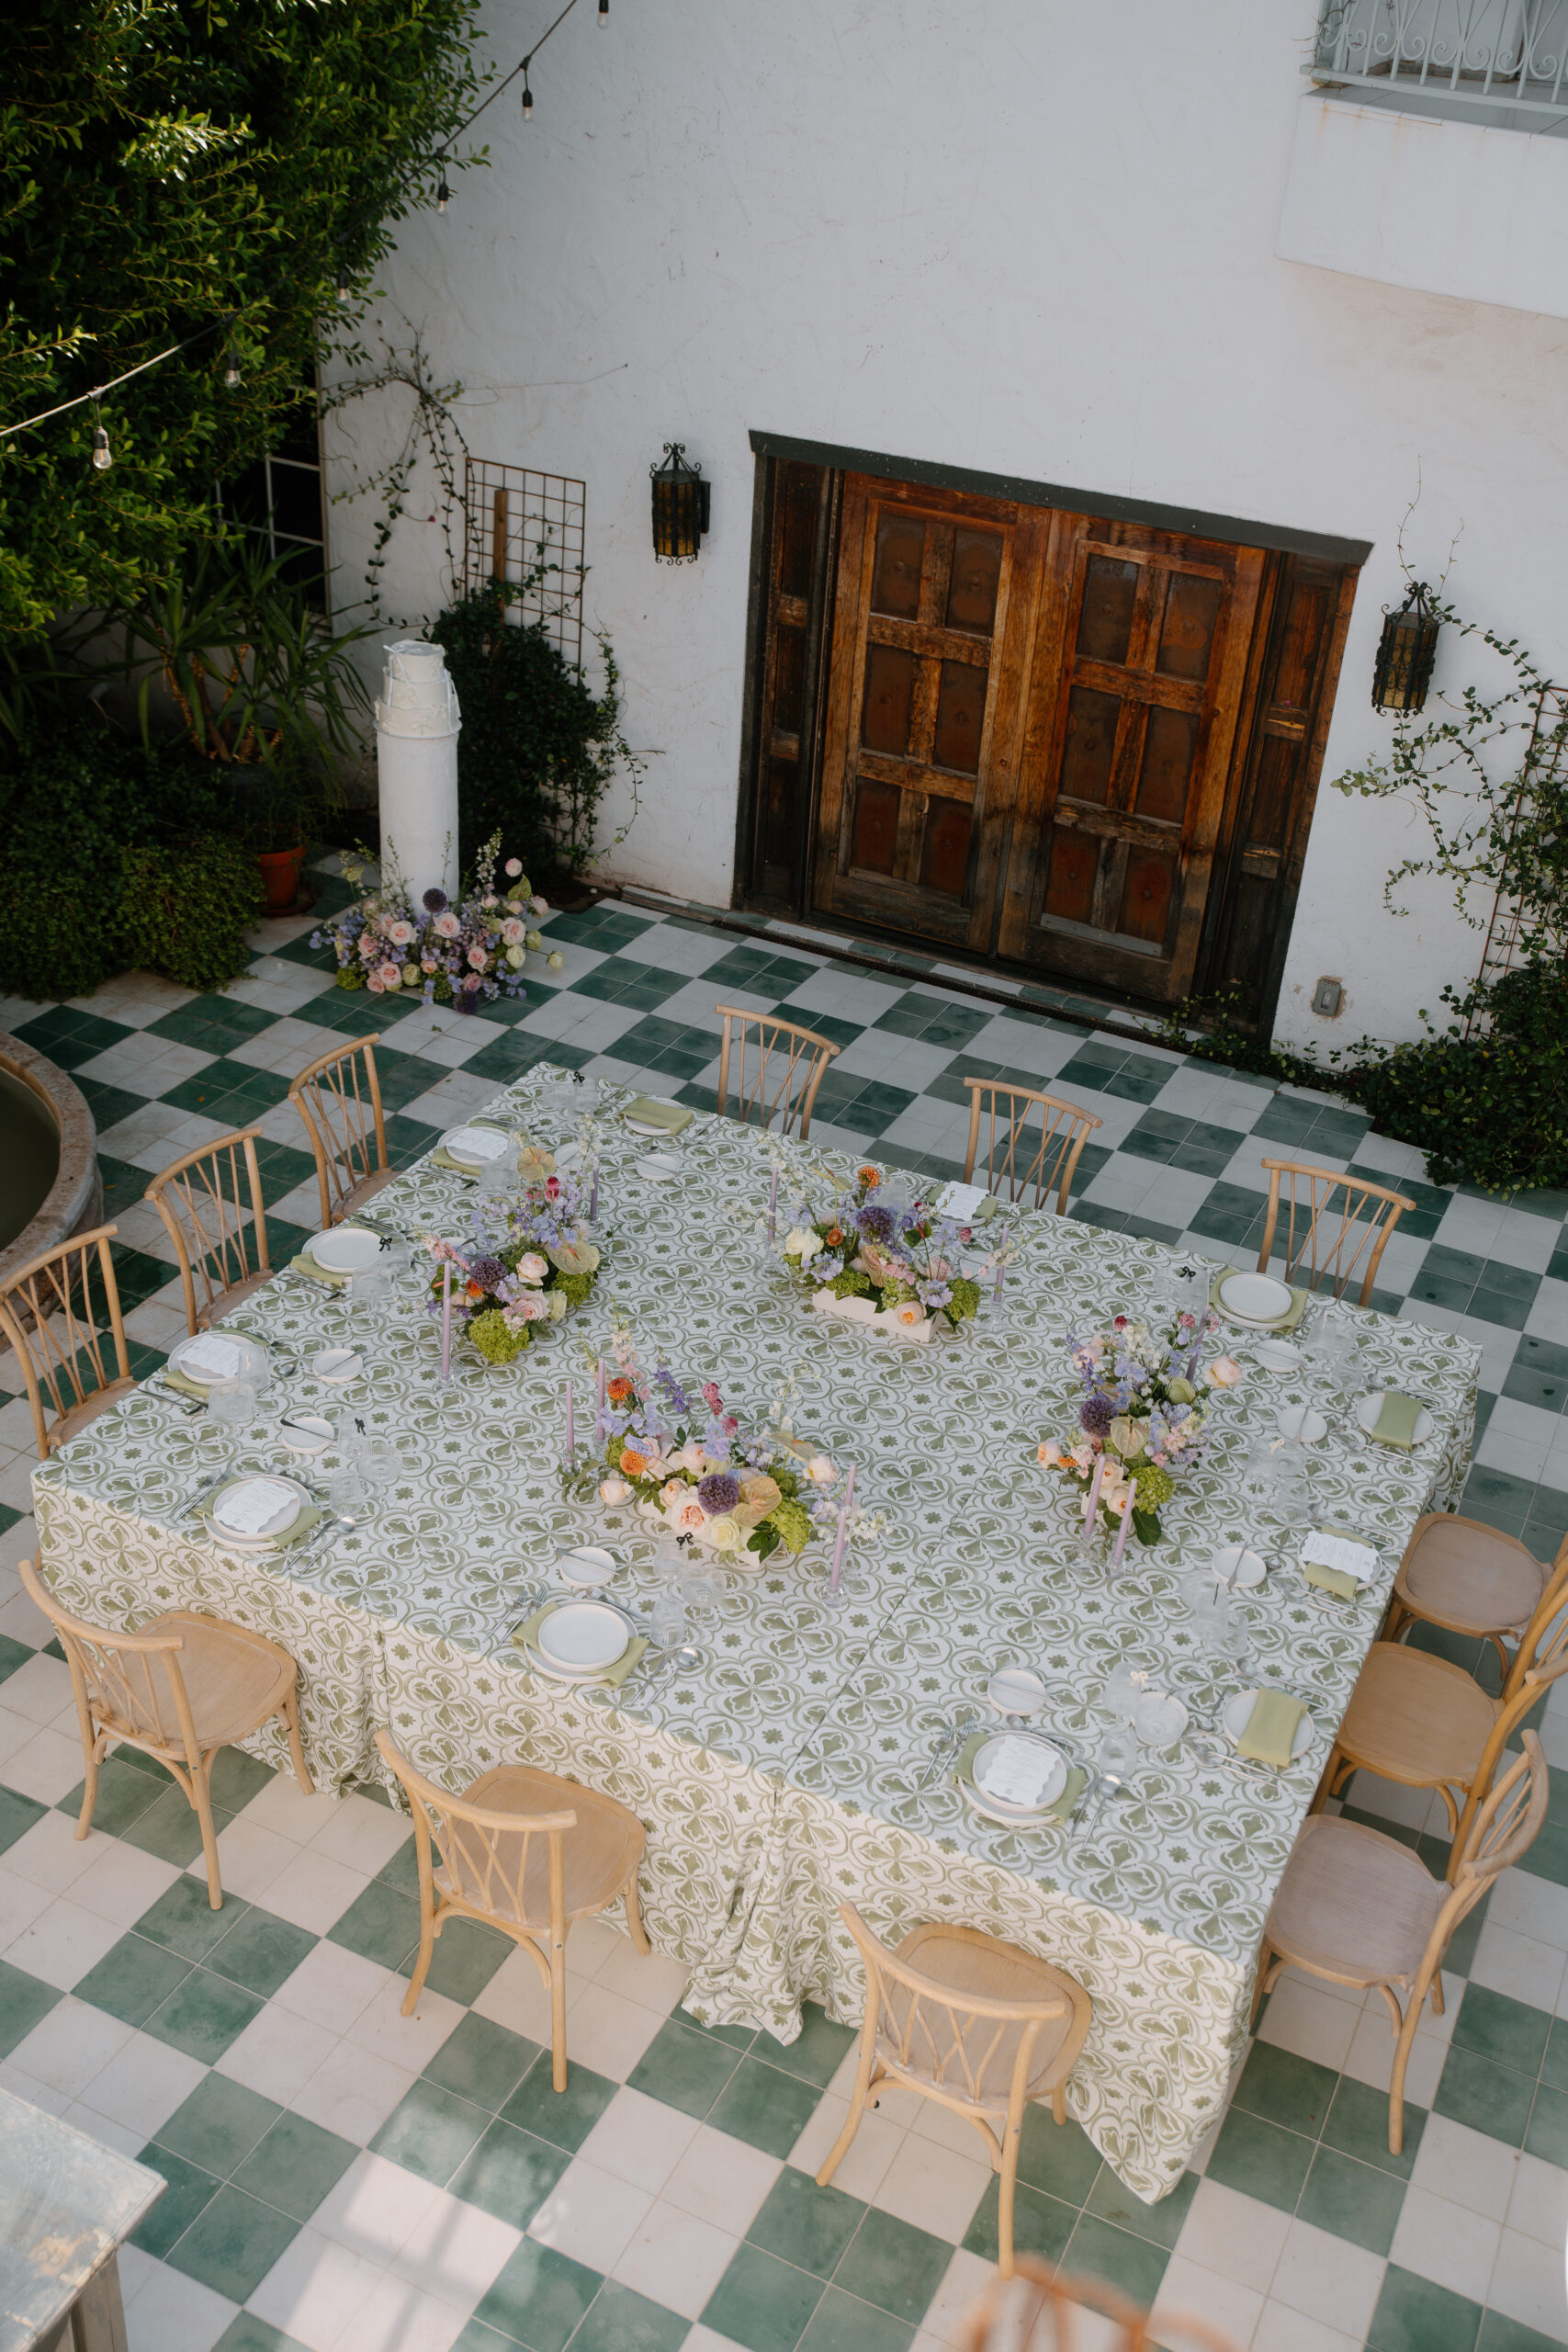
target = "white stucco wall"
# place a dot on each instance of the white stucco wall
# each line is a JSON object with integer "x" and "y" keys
{"x": 1020, "y": 235}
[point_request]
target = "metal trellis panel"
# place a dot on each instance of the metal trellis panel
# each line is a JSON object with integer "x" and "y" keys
{"x": 527, "y": 528}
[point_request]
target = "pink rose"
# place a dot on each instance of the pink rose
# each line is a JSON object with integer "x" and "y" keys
{"x": 540, "y": 905}
{"x": 376, "y": 984}
{"x": 670, "y": 1494}
{"x": 514, "y": 866}
{"x": 477, "y": 958}
{"x": 390, "y": 976}
{"x": 1050, "y": 1453}
{"x": 491, "y": 901}
{"x": 691, "y": 1518}
{"x": 447, "y": 925}
{"x": 366, "y": 944}
{"x": 1224, "y": 1372}
{"x": 401, "y": 934}
{"x": 692, "y": 1458}
{"x": 513, "y": 931}
{"x": 528, "y": 1308}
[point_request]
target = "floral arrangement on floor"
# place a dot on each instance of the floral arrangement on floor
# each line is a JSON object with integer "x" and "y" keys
{"x": 883, "y": 1259}
{"x": 684, "y": 1460}
{"x": 530, "y": 1260}
{"x": 1141, "y": 1420}
{"x": 451, "y": 953}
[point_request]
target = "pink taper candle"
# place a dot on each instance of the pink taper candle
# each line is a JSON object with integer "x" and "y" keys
{"x": 599, "y": 1398}
{"x": 843, "y": 1530}
{"x": 593, "y": 1195}
{"x": 446, "y": 1322}
{"x": 1095, "y": 1484}
{"x": 1126, "y": 1523}
{"x": 1001, "y": 1265}
{"x": 570, "y": 1433}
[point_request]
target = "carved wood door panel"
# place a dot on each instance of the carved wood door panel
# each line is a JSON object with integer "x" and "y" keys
{"x": 934, "y": 616}
{"x": 1133, "y": 703}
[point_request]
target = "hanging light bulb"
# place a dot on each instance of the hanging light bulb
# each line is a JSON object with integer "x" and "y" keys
{"x": 443, "y": 195}
{"x": 528, "y": 95}
{"x": 103, "y": 456}
{"x": 604, "y": 12}
{"x": 231, "y": 376}
{"x": 342, "y": 287}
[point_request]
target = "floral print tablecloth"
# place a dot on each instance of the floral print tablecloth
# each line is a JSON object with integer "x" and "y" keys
{"x": 783, "y": 1774}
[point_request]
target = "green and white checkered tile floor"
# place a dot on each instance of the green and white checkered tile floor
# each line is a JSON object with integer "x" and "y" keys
{"x": 340, "y": 2177}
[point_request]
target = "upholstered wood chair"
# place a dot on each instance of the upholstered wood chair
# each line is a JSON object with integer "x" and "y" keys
{"x": 53, "y": 1314}
{"x": 526, "y": 1852}
{"x": 1471, "y": 1578}
{"x": 180, "y": 1688}
{"x": 203, "y": 1198}
{"x": 973, "y": 2022}
{"x": 1426, "y": 1724}
{"x": 775, "y": 1069}
{"x": 1027, "y": 1156}
{"x": 1337, "y": 1227}
{"x": 338, "y": 1097}
{"x": 1358, "y": 1909}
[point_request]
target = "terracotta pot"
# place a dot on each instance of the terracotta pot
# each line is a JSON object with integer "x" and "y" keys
{"x": 279, "y": 870}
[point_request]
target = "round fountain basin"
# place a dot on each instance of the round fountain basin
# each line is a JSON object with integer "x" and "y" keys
{"x": 49, "y": 1184}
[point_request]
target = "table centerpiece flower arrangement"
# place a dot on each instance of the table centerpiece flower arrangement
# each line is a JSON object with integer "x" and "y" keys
{"x": 531, "y": 1260}
{"x": 684, "y": 1459}
{"x": 878, "y": 1259}
{"x": 458, "y": 952}
{"x": 1141, "y": 1419}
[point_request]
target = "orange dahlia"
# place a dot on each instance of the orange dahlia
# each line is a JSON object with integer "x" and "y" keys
{"x": 868, "y": 1177}
{"x": 633, "y": 1464}
{"x": 618, "y": 1391}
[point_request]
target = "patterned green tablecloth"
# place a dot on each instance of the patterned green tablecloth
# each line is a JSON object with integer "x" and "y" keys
{"x": 782, "y": 1775}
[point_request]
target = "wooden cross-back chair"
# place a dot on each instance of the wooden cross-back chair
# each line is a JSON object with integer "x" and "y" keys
{"x": 977, "y": 2024}
{"x": 776, "y": 1069}
{"x": 1358, "y": 1909}
{"x": 49, "y": 1318}
{"x": 180, "y": 1688}
{"x": 1327, "y": 1243}
{"x": 1426, "y": 1722}
{"x": 202, "y": 1199}
{"x": 1023, "y": 1159}
{"x": 338, "y": 1096}
{"x": 527, "y": 1853}
{"x": 1471, "y": 1578}
{"x": 1041, "y": 2310}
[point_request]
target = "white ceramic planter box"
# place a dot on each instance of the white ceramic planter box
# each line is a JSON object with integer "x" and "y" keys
{"x": 877, "y": 1319}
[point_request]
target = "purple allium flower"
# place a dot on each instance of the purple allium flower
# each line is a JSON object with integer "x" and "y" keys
{"x": 1095, "y": 1415}
{"x": 436, "y": 900}
{"x": 876, "y": 1223}
{"x": 487, "y": 1272}
{"x": 463, "y": 1000}
{"x": 718, "y": 1492}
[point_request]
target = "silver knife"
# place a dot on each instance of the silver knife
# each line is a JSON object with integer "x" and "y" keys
{"x": 201, "y": 1495}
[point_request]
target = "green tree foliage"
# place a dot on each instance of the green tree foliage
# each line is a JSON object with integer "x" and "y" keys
{"x": 164, "y": 164}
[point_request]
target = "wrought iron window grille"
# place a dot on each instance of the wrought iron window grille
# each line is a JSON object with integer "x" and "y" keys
{"x": 1468, "y": 54}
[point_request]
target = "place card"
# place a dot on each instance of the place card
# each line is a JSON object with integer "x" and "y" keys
{"x": 1017, "y": 1772}
{"x": 219, "y": 1359}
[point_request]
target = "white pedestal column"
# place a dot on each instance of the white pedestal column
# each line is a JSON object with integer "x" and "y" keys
{"x": 417, "y": 721}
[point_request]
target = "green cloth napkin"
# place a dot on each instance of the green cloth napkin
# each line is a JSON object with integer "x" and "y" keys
{"x": 1270, "y": 1731}
{"x": 1287, "y": 1321}
{"x": 670, "y": 1118}
{"x": 1062, "y": 1810}
{"x": 613, "y": 1674}
{"x": 1339, "y": 1581}
{"x": 1395, "y": 1425}
{"x": 442, "y": 1158}
{"x": 306, "y": 1264}
{"x": 186, "y": 1387}
{"x": 295, "y": 1534}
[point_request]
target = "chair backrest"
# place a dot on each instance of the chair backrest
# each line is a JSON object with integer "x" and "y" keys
{"x": 132, "y": 1684}
{"x": 1043, "y": 2310}
{"x": 203, "y": 1200}
{"x": 1543, "y": 1653}
{"x": 338, "y": 1096}
{"x": 775, "y": 1067}
{"x": 49, "y": 1317}
{"x": 1491, "y": 1837}
{"x": 1328, "y": 1242}
{"x": 1020, "y": 1156}
{"x": 966, "y": 2048}
{"x": 490, "y": 1856}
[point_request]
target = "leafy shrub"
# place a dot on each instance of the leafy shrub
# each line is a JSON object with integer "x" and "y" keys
{"x": 185, "y": 911}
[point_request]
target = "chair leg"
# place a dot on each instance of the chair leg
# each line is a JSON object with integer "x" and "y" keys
{"x": 632, "y": 1908}
{"x": 291, "y": 1714}
{"x": 557, "y": 2015}
{"x": 1437, "y": 1992}
{"x": 90, "y": 1782}
{"x": 1397, "y": 2082}
{"x": 201, "y": 1797}
{"x": 1059, "y": 2103}
{"x": 841, "y": 2147}
{"x": 422, "y": 1965}
{"x": 1005, "y": 2204}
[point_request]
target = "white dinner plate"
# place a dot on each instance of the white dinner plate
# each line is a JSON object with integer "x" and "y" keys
{"x": 335, "y": 1365}
{"x": 1302, "y": 1422}
{"x": 347, "y": 1249}
{"x": 1236, "y": 1713}
{"x": 1016, "y": 1690}
{"x": 582, "y": 1636}
{"x": 1240, "y": 1569}
{"x": 285, "y": 1517}
{"x": 1055, "y": 1782}
{"x": 1369, "y": 1409}
{"x": 306, "y": 1433}
{"x": 659, "y": 1167}
{"x": 988, "y": 1809}
{"x": 644, "y": 1127}
{"x": 1255, "y": 1298}
{"x": 1276, "y": 1355}
{"x": 567, "y": 1157}
{"x": 474, "y": 1146}
{"x": 585, "y": 1565}
{"x": 185, "y": 1357}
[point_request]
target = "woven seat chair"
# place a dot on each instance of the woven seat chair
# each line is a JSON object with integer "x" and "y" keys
{"x": 1426, "y": 1724}
{"x": 1041, "y": 2310}
{"x": 338, "y": 1097}
{"x": 526, "y": 1852}
{"x": 1021, "y": 1157}
{"x": 1327, "y": 1242}
{"x": 1471, "y": 1578}
{"x": 49, "y": 1319}
{"x": 973, "y": 2022}
{"x": 180, "y": 1688}
{"x": 202, "y": 1199}
{"x": 1358, "y": 1909}
{"x": 776, "y": 1069}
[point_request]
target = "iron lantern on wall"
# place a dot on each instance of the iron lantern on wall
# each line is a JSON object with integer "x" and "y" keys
{"x": 1406, "y": 651}
{"x": 680, "y": 506}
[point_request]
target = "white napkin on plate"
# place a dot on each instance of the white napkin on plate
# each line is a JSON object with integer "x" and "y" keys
{"x": 247, "y": 1509}
{"x": 1017, "y": 1772}
{"x": 1337, "y": 1551}
{"x": 219, "y": 1359}
{"x": 963, "y": 1201}
{"x": 479, "y": 1143}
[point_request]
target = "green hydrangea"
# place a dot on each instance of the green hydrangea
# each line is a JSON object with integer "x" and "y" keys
{"x": 1155, "y": 1486}
{"x": 848, "y": 1284}
{"x": 966, "y": 1299}
{"x": 350, "y": 976}
{"x": 792, "y": 1521}
{"x": 576, "y": 1286}
{"x": 786, "y": 1478}
{"x": 895, "y": 1293}
{"x": 495, "y": 1341}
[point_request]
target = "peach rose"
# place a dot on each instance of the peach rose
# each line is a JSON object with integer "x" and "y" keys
{"x": 820, "y": 1471}
{"x": 690, "y": 1519}
{"x": 613, "y": 1492}
{"x": 1224, "y": 1372}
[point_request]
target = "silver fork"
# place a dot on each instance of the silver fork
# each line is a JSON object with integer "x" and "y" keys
{"x": 205, "y": 1488}
{"x": 189, "y": 1406}
{"x": 343, "y": 1523}
{"x": 949, "y": 1745}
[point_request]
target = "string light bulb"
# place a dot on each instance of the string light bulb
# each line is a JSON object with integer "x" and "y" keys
{"x": 231, "y": 376}
{"x": 103, "y": 456}
{"x": 604, "y": 12}
{"x": 342, "y": 287}
{"x": 528, "y": 95}
{"x": 443, "y": 195}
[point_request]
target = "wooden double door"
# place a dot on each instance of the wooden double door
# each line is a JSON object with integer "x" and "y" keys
{"x": 1035, "y": 735}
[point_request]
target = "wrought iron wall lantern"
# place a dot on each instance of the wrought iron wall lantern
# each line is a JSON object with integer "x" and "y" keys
{"x": 680, "y": 506}
{"x": 1406, "y": 651}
